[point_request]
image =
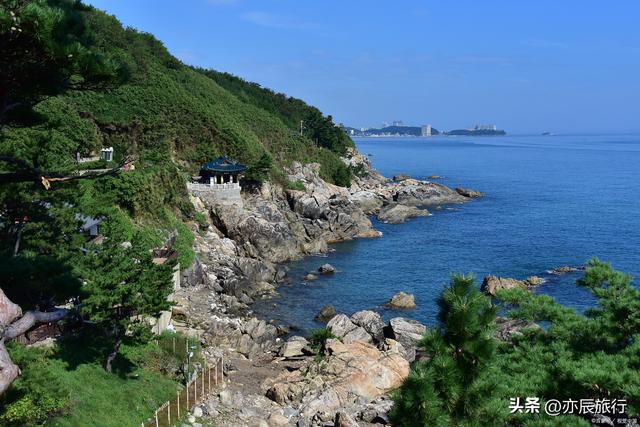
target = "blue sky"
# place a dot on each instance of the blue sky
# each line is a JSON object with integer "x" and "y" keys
{"x": 567, "y": 66}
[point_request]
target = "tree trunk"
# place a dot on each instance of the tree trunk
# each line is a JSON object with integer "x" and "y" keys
{"x": 16, "y": 247}
{"x": 14, "y": 323}
{"x": 113, "y": 353}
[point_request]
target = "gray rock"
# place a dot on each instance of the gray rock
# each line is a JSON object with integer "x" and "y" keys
{"x": 357, "y": 334}
{"x": 396, "y": 214}
{"x": 326, "y": 313}
{"x": 326, "y": 269}
{"x": 368, "y": 201}
{"x": 277, "y": 420}
{"x": 197, "y": 412}
{"x": 341, "y": 325}
{"x": 402, "y": 300}
{"x": 226, "y": 398}
{"x": 193, "y": 275}
{"x": 342, "y": 419}
{"x": 371, "y": 322}
{"x": 466, "y": 192}
{"x": 564, "y": 269}
{"x": 310, "y": 277}
{"x": 401, "y": 177}
{"x": 418, "y": 193}
{"x": 407, "y": 332}
{"x": 260, "y": 331}
{"x": 293, "y": 347}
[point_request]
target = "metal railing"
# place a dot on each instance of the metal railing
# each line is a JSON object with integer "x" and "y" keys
{"x": 197, "y": 390}
{"x": 194, "y": 186}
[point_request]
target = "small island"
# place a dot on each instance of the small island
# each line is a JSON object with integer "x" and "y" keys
{"x": 422, "y": 131}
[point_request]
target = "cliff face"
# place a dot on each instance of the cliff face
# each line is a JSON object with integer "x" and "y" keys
{"x": 277, "y": 225}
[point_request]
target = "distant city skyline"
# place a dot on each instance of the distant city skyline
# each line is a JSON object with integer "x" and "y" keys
{"x": 564, "y": 67}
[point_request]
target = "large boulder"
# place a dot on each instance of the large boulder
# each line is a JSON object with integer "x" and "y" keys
{"x": 326, "y": 313}
{"x": 260, "y": 331}
{"x": 293, "y": 347}
{"x": 341, "y": 325}
{"x": 533, "y": 281}
{"x": 193, "y": 275}
{"x": 422, "y": 193}
{"x": 407, "y": 332}
{"x": 352, "y": 373}
{"x": 402, "y": 300}
{"x": 467, "y": 192}
{"x": 371, "y": 373}
{"x": 368, "y": 201}
{"x": 359, "y": 334}
{"x": 326, "y": 269}
{"x": 564, "y": 269}
{"x": 492, "y": 284}
{"x": 396, "y": 214}
{"x": 371, "y": 322}
{"x": 401, "y": 177}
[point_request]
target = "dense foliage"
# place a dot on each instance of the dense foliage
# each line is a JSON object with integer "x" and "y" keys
{"x": 295, "y": 113}
{"x": 590, "y": 355}
{"x": 451, "y": 385}
{"x": 74, "y": 80}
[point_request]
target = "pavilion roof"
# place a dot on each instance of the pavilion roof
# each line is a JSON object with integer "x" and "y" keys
{"x": 224, "y": 164}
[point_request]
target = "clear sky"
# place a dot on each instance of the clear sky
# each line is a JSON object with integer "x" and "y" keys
{"x": 567, "y": 66}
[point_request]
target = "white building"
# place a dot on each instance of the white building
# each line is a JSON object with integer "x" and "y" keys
{"x": 106, "y": 154}
{"x": 426, "y": 130}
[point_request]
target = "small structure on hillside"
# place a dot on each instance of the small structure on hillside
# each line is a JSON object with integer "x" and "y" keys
{"x": 106, "y": 154}
{"x": 222, "y": 170}
{"x": 219, "y": 181}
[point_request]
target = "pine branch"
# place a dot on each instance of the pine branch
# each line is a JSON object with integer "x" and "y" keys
{"x": 28, "y": 173}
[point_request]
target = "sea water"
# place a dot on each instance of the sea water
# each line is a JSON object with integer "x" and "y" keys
{"x": 549, "y": 201}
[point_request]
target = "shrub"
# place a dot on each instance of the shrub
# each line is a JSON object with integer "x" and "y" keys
{"x": 296, "y": 185}
{"x": 318, "y": 339}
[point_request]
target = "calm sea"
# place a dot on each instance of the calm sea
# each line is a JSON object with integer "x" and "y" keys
{"x": 550, "y": 201}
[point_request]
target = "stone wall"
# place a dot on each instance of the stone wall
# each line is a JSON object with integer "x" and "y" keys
{"x": 226, "y": 196}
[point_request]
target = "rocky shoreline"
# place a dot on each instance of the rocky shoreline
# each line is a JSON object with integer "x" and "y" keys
{"x": 270, "y": 381}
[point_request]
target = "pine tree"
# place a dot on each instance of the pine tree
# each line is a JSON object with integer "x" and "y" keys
{"x": 450, "y": 386}
{"x": 123, "y": 288}
{"x": 45, "y": 50}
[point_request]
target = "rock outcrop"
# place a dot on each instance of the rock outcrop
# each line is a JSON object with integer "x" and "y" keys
{"x": 396, "y": 214}
{"x": 402, "y": 300}
{"x": 240, "y": 250}
{"x": 492, "y": 284}
{"x": 326, "y": 313}
{"x": 401, "y": 177}
{"x": 350, "y": 374}
{"x": 407, "y": 332}
{"x": 326, "y": 269}
{"x": 467, "y": 192}
{"x": 294, "y": 347}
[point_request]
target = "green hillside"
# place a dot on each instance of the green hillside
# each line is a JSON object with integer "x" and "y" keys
{"x": 171, "y": 112}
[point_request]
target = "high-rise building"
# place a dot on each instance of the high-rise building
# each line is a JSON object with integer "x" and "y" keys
{"x": 426, "y": 130}
{"x": 385, "y": 125}
{"x": 398, "y": 123}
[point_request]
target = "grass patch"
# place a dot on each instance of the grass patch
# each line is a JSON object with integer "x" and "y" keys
{"x": 67, "y": 386}
{"x": 296, "y": 185}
